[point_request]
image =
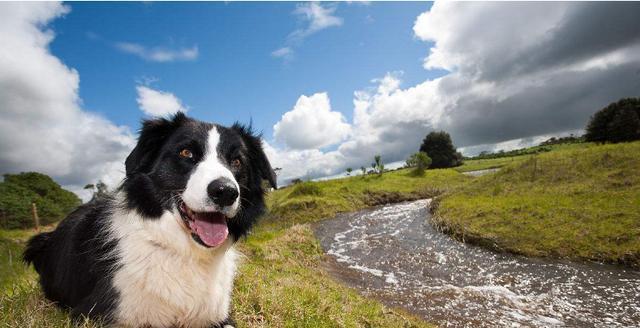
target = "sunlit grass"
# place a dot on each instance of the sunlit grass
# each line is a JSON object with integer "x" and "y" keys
{"x": 290, "y": 206}
{"x": 282, "y": 284}
{"x": 577, "y": 202}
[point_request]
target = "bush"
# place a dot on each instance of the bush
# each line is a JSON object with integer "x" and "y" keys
{"x": 19, "y": 191}
{"x": 420, "y": 161}
{"x": 306, "y": 189}
{"x": 441, "y": 150}
{"x": 377, "y": 164}
{"x": 618, "y": 122}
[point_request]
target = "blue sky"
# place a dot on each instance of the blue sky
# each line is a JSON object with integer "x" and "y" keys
{"x": 234, "y": 76}
{"x": 330, "y": 84}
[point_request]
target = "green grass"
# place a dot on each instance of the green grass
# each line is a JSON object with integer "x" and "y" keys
{"x": 484, "y": 164}
{"x": 579, "y": 201}
{"x": 296, "y": 204}
{"x": 282, "y": 284}
{"x": 11, "y": 265}
{"x": 493, "y": 163}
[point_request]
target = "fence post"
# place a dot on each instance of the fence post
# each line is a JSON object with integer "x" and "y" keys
{"x": 36, "y": 219}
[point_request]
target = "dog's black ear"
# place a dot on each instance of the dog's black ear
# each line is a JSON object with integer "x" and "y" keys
{"x": 152, "y": 136}
{"x": 254, "y": 143}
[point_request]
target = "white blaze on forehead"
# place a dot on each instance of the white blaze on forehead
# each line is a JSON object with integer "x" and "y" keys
{"x": 209, "y": 169}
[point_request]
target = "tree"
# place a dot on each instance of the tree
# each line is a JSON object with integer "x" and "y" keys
{"x": 349, "y": 170}
{"x": 99, "y": 189}
{"x": 618, "y": 122}
{"x": 378, "y": 166}
{"x": 420, "y": 161}
{"x": 441, "y": 150}
{"x": 625, "y": 126}
{"x": 364, "y": 170}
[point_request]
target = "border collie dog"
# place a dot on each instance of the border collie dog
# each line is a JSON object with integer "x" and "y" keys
{"x": 159, "y": 252}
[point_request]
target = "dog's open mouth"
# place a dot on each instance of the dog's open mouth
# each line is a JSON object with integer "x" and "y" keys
{"x": 207, "y": 228}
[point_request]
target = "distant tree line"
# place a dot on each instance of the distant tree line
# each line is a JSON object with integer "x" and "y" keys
{"x": 571, "y": 139}
{"x": 515, "y": 152}
{"x": 19, "y": 191}
{"x": 617, "y": 122}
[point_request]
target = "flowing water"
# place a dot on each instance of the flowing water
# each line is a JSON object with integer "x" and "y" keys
{"x": 394, "y": 254}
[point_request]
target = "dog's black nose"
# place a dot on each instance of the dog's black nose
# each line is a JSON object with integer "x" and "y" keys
{"x": 222, "y": 191}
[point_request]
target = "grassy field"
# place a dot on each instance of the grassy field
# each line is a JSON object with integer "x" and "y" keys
{"x": 579, "y": 201}
{"x": 493, "y": 163}
{"x": 281, "y": 282}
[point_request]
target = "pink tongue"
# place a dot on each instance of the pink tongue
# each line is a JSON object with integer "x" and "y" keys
{"x": 211, "y": 228}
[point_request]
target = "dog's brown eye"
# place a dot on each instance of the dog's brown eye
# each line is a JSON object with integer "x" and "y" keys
{"x": 236, "y": 163}
{"x": 186, "y": 153}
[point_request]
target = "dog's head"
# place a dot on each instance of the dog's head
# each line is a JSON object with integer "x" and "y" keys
{"x": 210, "y": 176}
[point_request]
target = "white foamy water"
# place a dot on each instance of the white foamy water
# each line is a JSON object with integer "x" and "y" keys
{"x": 394, "y": 254}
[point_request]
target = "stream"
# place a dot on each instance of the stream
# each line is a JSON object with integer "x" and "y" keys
{"x": 392, "y": 253}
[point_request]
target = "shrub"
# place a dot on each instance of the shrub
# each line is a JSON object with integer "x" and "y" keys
{"x": 377, "y": 165}
{"x": 420, "y": 161}
{"x": 441, "y": 150}
{"x": 618, "y": 122}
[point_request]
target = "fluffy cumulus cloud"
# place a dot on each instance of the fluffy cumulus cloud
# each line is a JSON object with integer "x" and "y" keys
{"x": 42, "y": 126}
{"x": 533, "y": 69}
{"x": 311, "y": 124}
{"x": 158, "y": 54}
{"x": 158, "y": 103}
{"x": 517, "y": 73}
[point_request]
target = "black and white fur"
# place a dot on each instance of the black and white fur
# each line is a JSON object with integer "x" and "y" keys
{"x": 129, "y": 260}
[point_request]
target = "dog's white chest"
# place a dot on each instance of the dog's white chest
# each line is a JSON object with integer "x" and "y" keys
{"x": 176, "y": 286}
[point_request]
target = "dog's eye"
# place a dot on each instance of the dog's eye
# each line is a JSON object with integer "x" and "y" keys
{"x": 186, "y": 153}
{"x": 236, "y": 163}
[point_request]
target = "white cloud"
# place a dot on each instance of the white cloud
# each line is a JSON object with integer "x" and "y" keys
{"x": 43, "y": 127}
{"x": 159, "y": 54}
{"x": 519, "y": 73}
{"x": 311, "y": 124}
{"x": 284, "y": 52}
{"x": 158, "y": 103}
{"x": 315, "y": 17}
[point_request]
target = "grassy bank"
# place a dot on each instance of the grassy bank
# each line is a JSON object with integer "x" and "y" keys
{"x": 313, "y": 201}
{"x": 281, "y": 282}
{"x": 580, "y": 202}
